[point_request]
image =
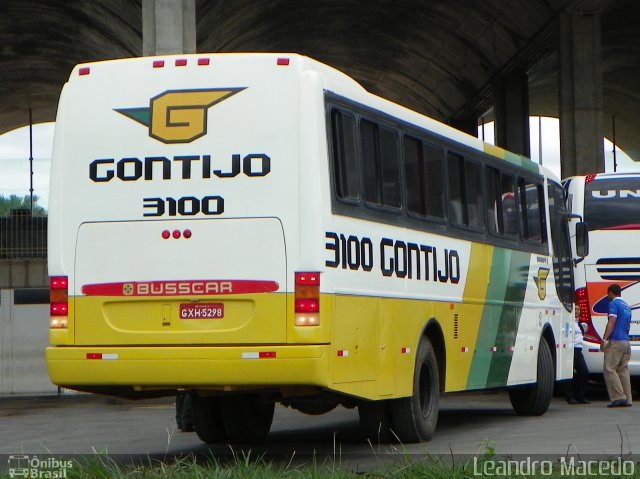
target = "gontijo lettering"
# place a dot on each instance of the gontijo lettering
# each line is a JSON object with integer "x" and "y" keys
{"x": 396, "y": 258}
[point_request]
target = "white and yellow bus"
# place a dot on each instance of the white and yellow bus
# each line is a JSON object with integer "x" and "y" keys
{"x": 258, "y": 228}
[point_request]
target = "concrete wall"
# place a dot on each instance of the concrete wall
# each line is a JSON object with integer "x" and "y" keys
{"x": 23, "y": 273}
{"x": 24, "y": 334}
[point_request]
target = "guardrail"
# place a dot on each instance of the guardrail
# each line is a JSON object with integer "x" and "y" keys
{"x": 23, "y": 236}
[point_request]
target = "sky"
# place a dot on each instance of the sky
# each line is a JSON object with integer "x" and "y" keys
{"x": 14, "y": 156}
{"x": 14, "y": 162}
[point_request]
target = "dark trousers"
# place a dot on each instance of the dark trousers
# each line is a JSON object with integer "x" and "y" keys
{"x": 577, "y": 387}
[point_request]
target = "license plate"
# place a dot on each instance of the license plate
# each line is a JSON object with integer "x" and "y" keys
{"x": 202, "y": 311}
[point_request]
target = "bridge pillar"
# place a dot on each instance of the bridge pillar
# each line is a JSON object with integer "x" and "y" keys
{"x": 580, "y": 90}
{"x": 168, "y": 27}
{"x": 511, "y": 110}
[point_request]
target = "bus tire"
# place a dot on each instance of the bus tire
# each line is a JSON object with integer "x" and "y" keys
{"x": 247, "y": 417}
{"x": 414, "y": 418}
{"x": 207, "y": 419}
{"x": 534, "y": 399}
{"x": 375, "y": 421}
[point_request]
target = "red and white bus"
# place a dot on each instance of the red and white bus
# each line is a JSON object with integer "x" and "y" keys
{"x": 609, "y": 203}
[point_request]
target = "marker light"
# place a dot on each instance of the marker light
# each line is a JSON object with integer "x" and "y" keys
{"x": 589, "y": 178}
{"x": 166, "y": 234}
{"x": 158, "y": 63}
{"x": 283, "y": 62}
{"x": 203, "y": 61}
{"x": 176, "y": 234}
{"x": 187, "y": 234}
{"x": 181, "y": 62}
{"x": 307, "y": 299}
{"x": 84, "y": 71}
{"x": 58, "y": 302}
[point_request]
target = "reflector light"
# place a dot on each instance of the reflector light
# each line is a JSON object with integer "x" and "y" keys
{"x": 84, "y": 71}
{"x": 166, "y": 234}
{"x": 58, "y": 301}
{"x": 181, "y": 62}
{"x": 158, "y": 63}
{"x": 307, "y": 299}
{"x": 283, "y": 61}
{"x": 176, "y": 234}
{"x": 583, "y": 308}
{"x": 187, "y": 234}
{"x": 203, "y": 61}
{"x": 59, "y": 309}
{"x": 267, "y": 355}
{"x": 307, "y": 279}
{"x": 58, "y": 282}
{"x": 307, "y": 306}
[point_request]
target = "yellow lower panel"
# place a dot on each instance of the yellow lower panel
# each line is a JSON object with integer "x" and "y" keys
{"x": 188, "y": 366}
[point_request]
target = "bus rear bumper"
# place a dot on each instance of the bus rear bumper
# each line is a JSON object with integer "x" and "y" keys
{"x": 183, "y": 367}
{"x": 595, "y": 358}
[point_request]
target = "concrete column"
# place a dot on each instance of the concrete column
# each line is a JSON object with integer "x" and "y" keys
{"x": 511, "y": 109}
{"x": 580, "y": 88}
{"x": 168, "y": 27}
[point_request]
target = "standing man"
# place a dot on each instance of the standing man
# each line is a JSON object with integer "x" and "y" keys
{"x": 617, "y": 350}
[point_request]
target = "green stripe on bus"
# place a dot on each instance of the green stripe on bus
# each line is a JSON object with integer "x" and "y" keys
{"x": 509, "y": 319}
{"x": 521, "y": 161}
{"x": 479, "y": 372}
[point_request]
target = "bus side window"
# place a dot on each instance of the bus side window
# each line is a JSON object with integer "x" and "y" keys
{"x": 494, "y": 200}
{"x": 562, "y": 260}
{"x": 380, "y": 165}
{"x": 455, "y": 170}
{"x": 424, "y": 178}
{"x": 531, "y": 207}
{"x": 466, "y": 205}
{"x": 509, "y": 208}
{"x": 345, "y": 162}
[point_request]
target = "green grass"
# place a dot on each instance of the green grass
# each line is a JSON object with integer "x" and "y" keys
{"x": 394, "y": 463}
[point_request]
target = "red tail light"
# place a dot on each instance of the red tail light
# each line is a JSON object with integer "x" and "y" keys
{"x": 584, "y": 315}
{"x": 307, "y": 299}
{"x": 58, "y": 301}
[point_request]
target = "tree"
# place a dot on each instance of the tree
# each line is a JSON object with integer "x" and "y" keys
{"x": 15, "y": 202}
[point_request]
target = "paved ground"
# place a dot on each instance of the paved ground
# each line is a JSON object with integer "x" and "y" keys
{"x": 468, "y": 424}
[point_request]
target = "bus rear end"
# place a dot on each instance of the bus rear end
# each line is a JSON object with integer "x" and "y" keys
{"x": 173, "y": 221}
{"x": 610, "y": 205}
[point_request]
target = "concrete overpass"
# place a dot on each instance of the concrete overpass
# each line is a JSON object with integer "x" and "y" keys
{"x": 452, "y": 60}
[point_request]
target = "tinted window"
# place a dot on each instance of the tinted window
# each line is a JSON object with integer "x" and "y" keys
{"x": 502, "y": 211}
{"x": 466, "y": 205}
{"x": 345, "y": 165}
{"x": 612, "y": 203}
{"x": 380, "y": 164}
{"x": 424, "y": 178}
{"x": 562, "y": 262}
{"x": 531, "y": 219}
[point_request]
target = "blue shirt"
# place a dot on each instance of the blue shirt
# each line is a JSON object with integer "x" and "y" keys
{"x": 621, "y": 311}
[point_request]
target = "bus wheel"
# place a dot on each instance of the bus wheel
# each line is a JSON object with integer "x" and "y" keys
{"x": 247, "y": 417}
{"x": 207, "y": 419}
{"x": 534, "y": 399}
{"x": 414, "y": 418}
{"x": 375, "y": 421}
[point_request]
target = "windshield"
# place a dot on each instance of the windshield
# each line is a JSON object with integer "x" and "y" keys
{"x": 612, "y": 204}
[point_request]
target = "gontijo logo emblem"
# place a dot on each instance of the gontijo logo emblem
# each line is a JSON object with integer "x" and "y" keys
{"x": 178, "y": 116}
